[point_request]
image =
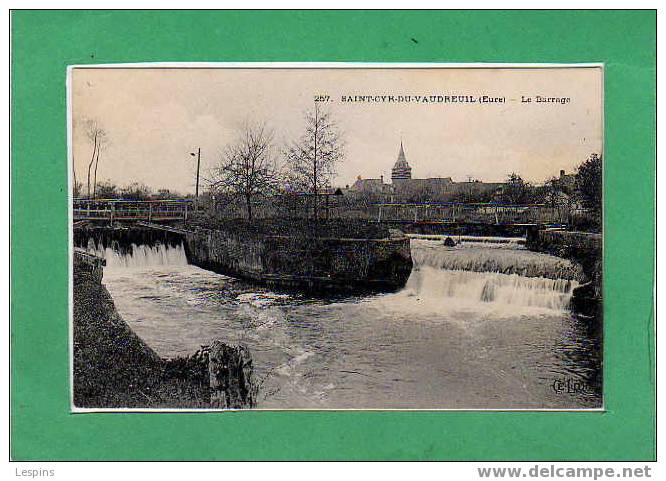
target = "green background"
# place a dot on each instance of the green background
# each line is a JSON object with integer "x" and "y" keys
{"x": 45, "y": 42}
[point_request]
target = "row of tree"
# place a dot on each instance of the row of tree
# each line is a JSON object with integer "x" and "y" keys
{"x": 132, "y": 191}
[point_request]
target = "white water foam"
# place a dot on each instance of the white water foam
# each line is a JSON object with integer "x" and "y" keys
{"x": 448, "y": 288}
{"x": 141, "y": 255}
{"x": 261, "y": 299}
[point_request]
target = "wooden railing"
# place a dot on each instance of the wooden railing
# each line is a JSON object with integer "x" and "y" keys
{"x": 479, "y": 213}
{"x": 119, "y": 210}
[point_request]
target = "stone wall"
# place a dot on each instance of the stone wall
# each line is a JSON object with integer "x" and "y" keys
{"x": 85, "y": 263}
{"x": 459, "y": 228}
{"x": 302, "y": 261}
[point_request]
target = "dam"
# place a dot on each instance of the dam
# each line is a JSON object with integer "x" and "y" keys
{"x": 486, "y": 324}
{"x": 377, "y": 260}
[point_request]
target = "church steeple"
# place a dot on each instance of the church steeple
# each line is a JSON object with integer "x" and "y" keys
{"x": 401, "y": 155}
{"x": 401, "y": 170}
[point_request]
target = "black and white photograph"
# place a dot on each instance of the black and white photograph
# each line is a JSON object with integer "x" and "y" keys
{"x": 336, "y": 236}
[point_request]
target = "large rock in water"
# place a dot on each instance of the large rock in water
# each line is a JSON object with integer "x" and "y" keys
{"x": 586, "y": 301}
{"x": 232, "y": 382}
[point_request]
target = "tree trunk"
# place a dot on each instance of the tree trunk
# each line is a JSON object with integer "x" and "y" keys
{"x": 248, "y": 202}
{"x": 91, "y": 162}
{"x": 95, "y": 176}
{"x": 314, "y": 177}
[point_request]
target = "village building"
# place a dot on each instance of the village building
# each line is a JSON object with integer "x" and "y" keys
{"x": 404, "y": 188}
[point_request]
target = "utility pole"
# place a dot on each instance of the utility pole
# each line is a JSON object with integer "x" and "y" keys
{"x": 198, "y": 154}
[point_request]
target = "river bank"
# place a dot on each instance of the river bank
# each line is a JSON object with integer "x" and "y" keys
{"x": 114, "y": 368}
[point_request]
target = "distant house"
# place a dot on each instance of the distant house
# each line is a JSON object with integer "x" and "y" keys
{"x": 567, "y": 182}
{"x": 375, "y": 186}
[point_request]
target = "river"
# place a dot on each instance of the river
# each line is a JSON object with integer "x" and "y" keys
{"x": 483, "y": 325}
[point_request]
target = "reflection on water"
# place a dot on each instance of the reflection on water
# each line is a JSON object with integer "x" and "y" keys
{"x": 450, "y": 339}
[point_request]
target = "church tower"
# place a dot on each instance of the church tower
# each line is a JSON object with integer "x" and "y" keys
{"x": 401, "y": 170}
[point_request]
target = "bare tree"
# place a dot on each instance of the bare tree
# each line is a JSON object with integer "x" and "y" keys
{"x": 75, "y": 184}
{"x": 99, "y": 149}
{"x": 247, "y": 168}
{"x": 97, "y": 137}
{"x": 312, "y": 159}
{"x": 76, "y": 191}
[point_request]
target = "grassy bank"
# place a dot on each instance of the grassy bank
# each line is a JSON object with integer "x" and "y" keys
{"x": 114, "y": 368}
{"x": 288, "y": 226}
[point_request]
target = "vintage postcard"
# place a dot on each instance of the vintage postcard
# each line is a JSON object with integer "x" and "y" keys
{"x": 336, "y": 236}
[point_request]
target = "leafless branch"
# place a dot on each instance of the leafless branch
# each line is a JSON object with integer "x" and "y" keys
{"x": 247, "y": 167}
{"x": 314, "y": 157}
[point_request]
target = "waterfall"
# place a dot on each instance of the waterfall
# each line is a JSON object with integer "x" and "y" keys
{"x": 502, "y": 277}
{"x": 500, "y": 260}
{"x": 141, "y": 255}
{"x": 469, "y": 288}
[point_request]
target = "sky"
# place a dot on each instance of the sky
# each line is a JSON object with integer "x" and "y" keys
{"x": 155, "y": 117}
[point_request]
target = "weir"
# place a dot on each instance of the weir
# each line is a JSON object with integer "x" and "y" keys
{"x": 454, "y": 288}
{"x": 509, "y": 276}
{"x": 584, "y": 249}
{"x": 125, "y": 239}
{"x": 508, "y": 258}
{"x": 445, "y": 320}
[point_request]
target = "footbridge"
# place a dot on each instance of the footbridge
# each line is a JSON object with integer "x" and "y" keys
{"x": 468, "y": 218}
{"x": 114, "y": 211}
